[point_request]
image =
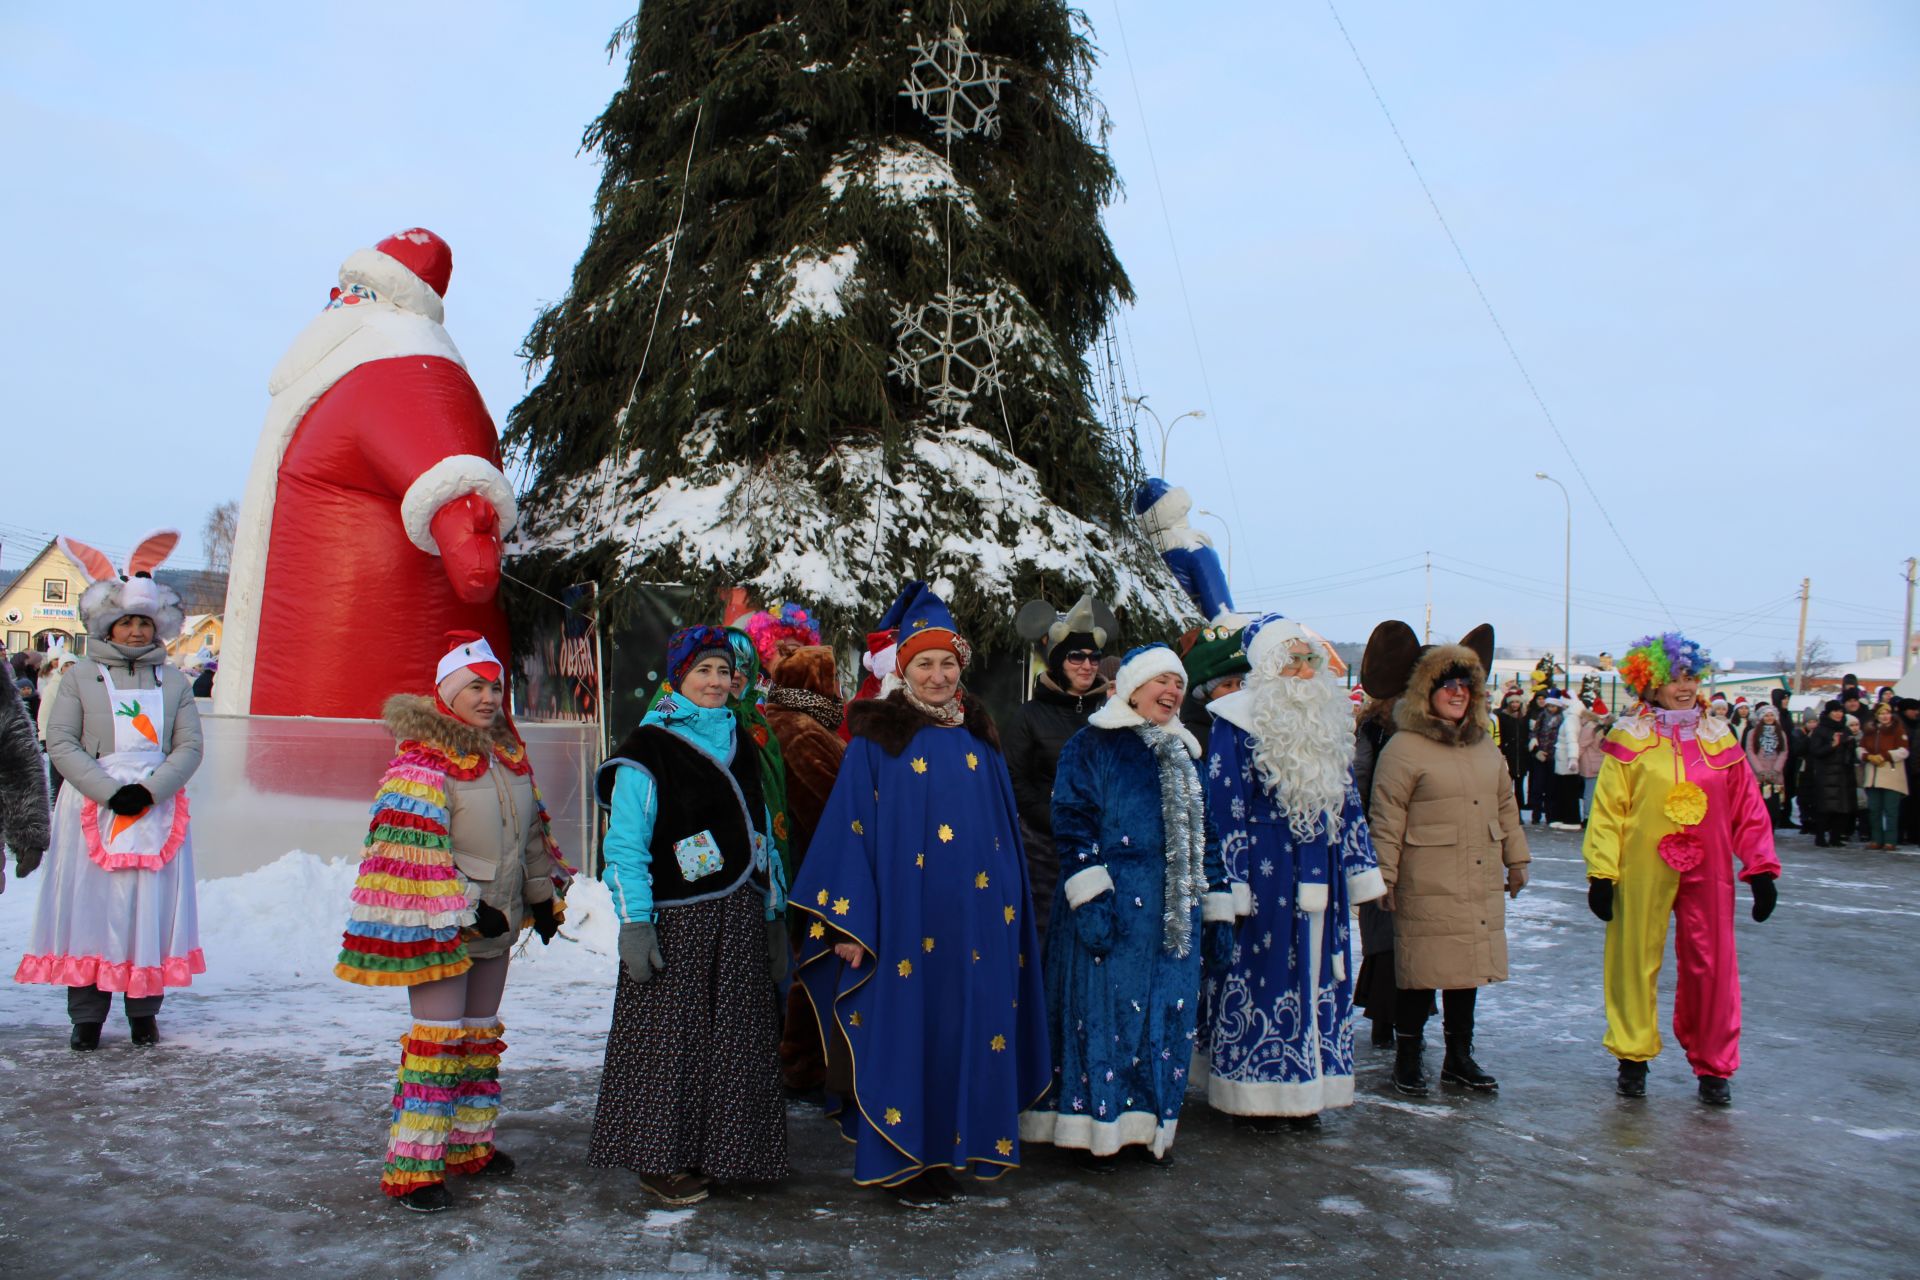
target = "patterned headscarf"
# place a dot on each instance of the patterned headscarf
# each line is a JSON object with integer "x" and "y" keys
{"x": 688, "y": 645}
{"x": 754, "y": 727}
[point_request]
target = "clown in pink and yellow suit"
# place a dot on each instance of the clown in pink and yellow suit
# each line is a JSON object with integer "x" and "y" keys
{"x": 1675, "y": 806}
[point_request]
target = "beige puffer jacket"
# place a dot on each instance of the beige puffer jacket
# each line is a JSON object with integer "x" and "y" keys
{"x": 1445, "y": 828}
{"x": 499, "y": 843}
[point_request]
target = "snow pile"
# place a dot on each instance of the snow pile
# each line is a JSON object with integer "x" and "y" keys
{"x": 270, "y": 939}
{"x": 816, "y": 285}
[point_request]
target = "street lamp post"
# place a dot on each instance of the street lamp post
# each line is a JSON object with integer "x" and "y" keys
{"x": 1165, "y": 428}
{"x": 1566, "y": 617}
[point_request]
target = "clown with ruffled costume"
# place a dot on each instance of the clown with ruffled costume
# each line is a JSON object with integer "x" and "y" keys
{"x": 458, "y": 858}
{"x": 1675, "y": 804}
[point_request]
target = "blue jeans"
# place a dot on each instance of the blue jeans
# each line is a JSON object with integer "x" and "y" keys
{"x": 1883, "y": 815}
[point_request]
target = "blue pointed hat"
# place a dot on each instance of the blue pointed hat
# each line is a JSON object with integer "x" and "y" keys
{"x": 926, "y": 623}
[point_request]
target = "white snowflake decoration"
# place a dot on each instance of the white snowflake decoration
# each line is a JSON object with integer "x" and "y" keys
{"x": 949, "y": 349}
{"x": 957, "y": 88}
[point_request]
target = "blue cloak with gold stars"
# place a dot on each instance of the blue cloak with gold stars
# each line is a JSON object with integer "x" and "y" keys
{"x": 918, "y": 859}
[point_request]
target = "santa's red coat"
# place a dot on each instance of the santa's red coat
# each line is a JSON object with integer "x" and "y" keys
{"x": 352, "y": 611}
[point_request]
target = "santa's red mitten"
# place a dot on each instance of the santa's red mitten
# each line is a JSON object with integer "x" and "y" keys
{"x": 467, "y": 531}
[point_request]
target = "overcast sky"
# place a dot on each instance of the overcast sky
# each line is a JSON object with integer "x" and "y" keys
{"x": 1696, "y": 223}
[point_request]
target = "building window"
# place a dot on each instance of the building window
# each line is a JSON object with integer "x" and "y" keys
{"x": 17, "y": 641}
{"x": 53, "y": 591}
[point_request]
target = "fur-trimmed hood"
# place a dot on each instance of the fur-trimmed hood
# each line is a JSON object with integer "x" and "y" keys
{"x": 892, "y": 721}
{"x": 1414, "y": 711}
{"x": 413, "y": 718}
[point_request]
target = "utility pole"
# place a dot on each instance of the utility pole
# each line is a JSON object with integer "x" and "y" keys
{"x": 1426, "y": 634}
{"x": 1800, "y": 645}
{"x": 1906, "y": 632}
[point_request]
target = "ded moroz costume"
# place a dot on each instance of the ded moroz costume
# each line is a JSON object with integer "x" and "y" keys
{"x": 937, "y": 1037}
{"x": 1280, "y": 788}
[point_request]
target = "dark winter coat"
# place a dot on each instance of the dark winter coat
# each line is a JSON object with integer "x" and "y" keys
{"x": 1827, "y": 781}
{"x": 1376, "y": 726}
{"x": 1513, "y": 741}
{"x": 804, "y": 711}
{"x": 1034, "y": 740}
{"x": 23, "y": 780}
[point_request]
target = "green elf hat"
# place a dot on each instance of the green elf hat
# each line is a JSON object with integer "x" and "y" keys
{"x": 1210, "y": 652}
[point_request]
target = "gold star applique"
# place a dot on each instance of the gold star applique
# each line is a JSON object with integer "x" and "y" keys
{"x": 1023, "y": 959}
{"x": 1008, "y": 913}
{"x": 854, "y": 1020}
{"x": 926, "y": 944}
{"x": 976, "y": 957}
{"x": 998, "y": 1044}
{"x": 858, "y": 829}
{"x": 919, "y": 859}
{"x": 1004, "y": 1146}
{"x": 980, "y": 881}
{"x": 973, "y": 761}
{"x": 841, "y": 906}
{"x": 957, "y": 1139}
{"x": 821, "y": 897}
{"x": 904, "y": 968}
{"x": 893, "y": 1115}
{"x": 919, "y": 764}
{"x": 820, "y": 931}
{"x": 945, "y": 833}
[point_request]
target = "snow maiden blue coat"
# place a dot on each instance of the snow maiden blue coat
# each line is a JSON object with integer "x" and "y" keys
{"x": 1281, "y": 1015}
{"x": 1123, "y": 956}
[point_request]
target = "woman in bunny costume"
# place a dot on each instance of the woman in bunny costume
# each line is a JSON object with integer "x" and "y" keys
{"x": 118, "y": 911}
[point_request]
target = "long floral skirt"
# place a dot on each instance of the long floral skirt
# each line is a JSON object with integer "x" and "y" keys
{"x": 692, "y": 1077}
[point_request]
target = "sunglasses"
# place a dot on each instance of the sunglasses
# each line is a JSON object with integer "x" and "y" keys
{"x": 1460, "y": 684}
{"x": 1083, "y": 656}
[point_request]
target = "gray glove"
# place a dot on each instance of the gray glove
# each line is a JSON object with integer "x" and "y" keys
{"x": 640, "y": 951}
{"x": 778, "y": 953}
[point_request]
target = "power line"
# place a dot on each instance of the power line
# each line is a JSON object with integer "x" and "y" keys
{"x": 1499, "y": 328}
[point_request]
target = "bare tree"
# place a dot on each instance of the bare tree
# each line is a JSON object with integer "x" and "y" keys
{"x": 1819, "y": 660}
{"x": 217, "y": 534}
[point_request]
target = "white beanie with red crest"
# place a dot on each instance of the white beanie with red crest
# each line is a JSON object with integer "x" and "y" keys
{"x": 468, "y": 655}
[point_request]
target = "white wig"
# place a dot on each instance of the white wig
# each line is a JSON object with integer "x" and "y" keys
{"x": 1302, "y": 732}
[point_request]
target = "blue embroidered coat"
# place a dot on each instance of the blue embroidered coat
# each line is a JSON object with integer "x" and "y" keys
{"x": 918, "y": 859}
{"x": 1280, "y": 1019}
{"x": 1122, "y": 1023}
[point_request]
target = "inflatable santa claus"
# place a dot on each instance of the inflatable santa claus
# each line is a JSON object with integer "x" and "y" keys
{"x": 373, "y": 516}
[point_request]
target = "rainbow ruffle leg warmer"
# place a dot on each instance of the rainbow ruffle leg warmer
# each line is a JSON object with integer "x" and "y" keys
{"x": 425, "y": 1097}
{"x": 476, "y": 1100}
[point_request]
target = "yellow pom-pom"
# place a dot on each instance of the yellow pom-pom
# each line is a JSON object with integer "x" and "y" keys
{"x": 1686, "y": 804}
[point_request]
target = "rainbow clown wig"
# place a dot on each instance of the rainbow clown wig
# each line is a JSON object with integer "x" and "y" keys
{"x": 1654, "y": 660}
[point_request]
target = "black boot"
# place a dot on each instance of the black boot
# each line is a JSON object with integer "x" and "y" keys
{"x": 85, "y": 1037}
{"x": 1716, "y": 1091}
{"x": 1409, "y": 1076}
{"x": 1382, "y": 1034}
{"x": 430, "y": 1197}
{"x": 144, "y": 1032}
{"x": 1633, "y": 1079}
{"x": 1458, "y": 1067}
{"x": 1820, "y": 840}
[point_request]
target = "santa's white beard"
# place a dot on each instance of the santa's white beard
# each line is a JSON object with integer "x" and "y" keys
{"x": 1303, "y": 747}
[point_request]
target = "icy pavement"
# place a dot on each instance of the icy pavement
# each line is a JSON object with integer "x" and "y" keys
{"x": 249, "y": 1143}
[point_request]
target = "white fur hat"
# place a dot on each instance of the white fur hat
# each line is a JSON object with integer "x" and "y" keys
{"x": 1274, "y": 632}
{"x": 1142, "y": 665}
{"x": 112, "y": 595}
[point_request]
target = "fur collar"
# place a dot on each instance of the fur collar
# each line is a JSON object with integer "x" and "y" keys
{"x": 1414, "y": 711}
{"x": 1045, "y": 689}
{"x": 1118, "y": 715}
{"x": 412, "y": 718}
{"x": 891, "y": 722}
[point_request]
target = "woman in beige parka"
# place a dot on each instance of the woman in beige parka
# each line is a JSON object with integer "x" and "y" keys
{"x": 1450, "y": 843}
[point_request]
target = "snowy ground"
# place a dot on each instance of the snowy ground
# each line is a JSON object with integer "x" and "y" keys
{"x": 249, "y": 1142}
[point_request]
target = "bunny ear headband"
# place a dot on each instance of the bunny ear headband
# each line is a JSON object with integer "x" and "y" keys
{"x": 113, "y": 595}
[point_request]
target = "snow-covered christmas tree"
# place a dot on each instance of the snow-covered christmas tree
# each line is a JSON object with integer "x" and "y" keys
{"x": 829, "y": 332}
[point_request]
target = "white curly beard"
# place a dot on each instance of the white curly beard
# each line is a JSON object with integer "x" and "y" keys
{"x": 1302, "y": 734}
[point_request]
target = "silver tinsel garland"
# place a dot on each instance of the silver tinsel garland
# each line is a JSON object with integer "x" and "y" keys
{"x": 1183, "y": 818}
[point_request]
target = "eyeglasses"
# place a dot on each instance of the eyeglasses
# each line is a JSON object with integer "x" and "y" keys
{"x": 1457, "y": 684}
{"x": 1084, "y": 656}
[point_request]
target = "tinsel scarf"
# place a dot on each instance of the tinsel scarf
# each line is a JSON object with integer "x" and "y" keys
{"x": 1183, "y": 816}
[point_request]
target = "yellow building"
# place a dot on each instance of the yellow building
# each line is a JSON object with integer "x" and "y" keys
{"x": 42, "y": 607}
{"x": 199, "y": 634}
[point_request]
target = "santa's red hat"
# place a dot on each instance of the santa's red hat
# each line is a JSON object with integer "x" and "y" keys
{"x": 1740, "y": 701}
{"x": 409, "y": 268}
{"x": 1598, "y": 708}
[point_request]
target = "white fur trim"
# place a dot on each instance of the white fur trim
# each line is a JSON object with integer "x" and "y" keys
{"x": 328, "y": 350}
{"x": 1217, "y": 908}
{"x": 1339, "y": 966}
{"x": 1101, "y": 1137}
{"x": 446, "y": 480}
{"x": 1273, "y": 1098}
{"x": 1313, "y": 898}
{"x": 881, "y": 664}
{"x": 1277, "y": 633}
{"x": 1084, "y": 886}
{"x": 1116, "y": 714}
{"x": 390, "y": 278}
{"x": 1242, "y": 898}
{"x": 1366, "y": 886}
{"x": 1158, "y": 660}
{"x": 1235, "y": 708}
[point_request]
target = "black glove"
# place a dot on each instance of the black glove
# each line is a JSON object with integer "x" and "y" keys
{"x": 25, "y": 863}
{"x": 1764, "y": 897}
{"x": 1600, "y": 898}
{"x": 1216, "y": 946}
{"x": 778, "y": 953}
{"x": 488, "y": 922}
{"x": 130, "y": 800}
{"x": 546, "y": 922}
{"x": 640, "y": 951}
{"x": 1093, "y": 924}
